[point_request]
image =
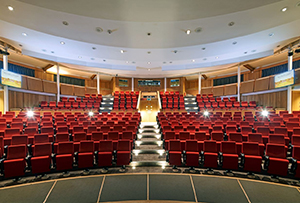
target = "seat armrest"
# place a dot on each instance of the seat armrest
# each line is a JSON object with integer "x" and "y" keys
{"x": 202, "y": 157}
{"x": 5, "y": 150}
{"x": 76, "y": 157}
{"x": 53, "y": 157}
{"x": 167, "y": 156}
{"x": 2, "y": 165}
{"x": 267, "y": 161}
{"x": 242, "y": 159}
{"x": 184, "y": 157}
{"x": 294, "y": 164}
{"x": 114, "y": 156}
{"x": 29, "y": 146}
{"x": 220, "y": 156}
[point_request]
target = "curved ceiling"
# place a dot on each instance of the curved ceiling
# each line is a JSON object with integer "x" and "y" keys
{"x": 257, "y": 28}
{"x": 149, "y": 11}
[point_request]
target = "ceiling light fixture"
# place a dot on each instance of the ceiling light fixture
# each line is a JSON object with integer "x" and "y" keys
{"x": 99, "y": 29}
{"x": 122, "y": 51}
{"x": 10, "y": 8}
{"x": 198, "y": 29}
{"x": 92, "y": 59}
{"x": 284, "y": 9}
{"x": 245, "y": 52}
{"x": 127, "y": 61}
{"x": 24, "y": 34}
{"x": 79, "y": 57}
{"x": 149, "y": 62}
{"x": 204, "y": 59}
{"x": 188, "y": 32}
{"x": 62, "y": 42}
{"x": 203, "y": 49}
{"x": 94, "y": 48}
{"x": 193, "y": 60}
{"x": 271, "y": 34}
{"x": 217, "y": 57}
{"x": 231, "y": 24}
{"x": 148, "y": 69}
{"x": 298, "y": 4}
{"x": 65, "y": 23}
{"x": 253, "y": 50}
{"x": 234, "y": 43}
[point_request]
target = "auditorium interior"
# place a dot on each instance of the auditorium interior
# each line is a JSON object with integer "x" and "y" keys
{"x": 149, "y": 101}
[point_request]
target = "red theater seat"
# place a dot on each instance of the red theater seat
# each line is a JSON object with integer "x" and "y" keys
{"x": 105, "y": 153}
{"x": 85, "y": 154}
{"x": 123, "y": 152}
{"x": 210, "y": 154}
{"x": 191, "y": 153}
{"x": 251, "y": 160}
{"x": 277, "y": 164}
{"x": 174, "y": 153}
{"x": 64, "y": 156}
{"x": 229, "y": 155}
{"x": 41, "y": 160}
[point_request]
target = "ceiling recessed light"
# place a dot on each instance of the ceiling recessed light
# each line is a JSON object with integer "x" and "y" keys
{"x": 122, "y": 51}
{"x": 20, "y": 45}
{"x": 193, "y": 60}
{"x": 92, "y": 59}
{"x": 284, "y": 9}
{"x": 278, "y": 46}
{"x": 164, "y": 62}
{"x": 24, "y": 34}
{"x": 44, "y": 50}
{"x": 62, "y": 42}
{"x": 253, "y": 50}
{"x": 149, "y": 52}
{"x": 245, "y": 52}
{"x": 65, "y": 23}
{"x": 198, "y": 29}
{"x": 217, "y": 57}
{"x": 79, "y": 57}
{"x": 94, "y": 48}
{"x": 234, "y": 43}
{"x": 149, "y": 33}
{"x": 148, "y": 69}
{"x": 188, "y": 32}
{"x": 127, "y": 61}
{"x": 203, "y": 49}
{"x": 133, "y": 62}
{"x": 298, "y": 4}
{"x": 10, "y": 8}
{"x": 231, "y": 24}
{"x": 104, "y": 60}
{"x": 271, "y": 34}
{"x": 170, "y": 61}
{"x": 149, "y": 62}
{"x": 204, "y": 59}
{"x": 99, "y": 29}
{"x": 52, "y": 52}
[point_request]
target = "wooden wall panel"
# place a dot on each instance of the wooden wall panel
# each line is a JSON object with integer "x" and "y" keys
{"x": 90, "y": 90}
{"x": 271, "y": 83}
{"x": 79, "y": 91}
{"x": 218, "y": 91}
{"x": 252, "y": 75}
{"x": 66, "y": 89}
{"x": 295, "y": 100}
{"x": 118, "y": 88}
{"x": 261, "y": 84}
{"x": 24, "y": 82}
{"x": 230, "y": 89}
{"x": 91, "y": 83}
{"x": 148, "y": 88}
{"x": 274, "y": 99}
{"x": 44, "y": 75}
{"x": 206, "y": 90}
{"x": 50, "y": 87}
{"x": 35, "y": 84}
{"x": 247, "y": 87}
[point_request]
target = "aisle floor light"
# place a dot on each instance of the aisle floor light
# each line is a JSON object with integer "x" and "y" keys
{"x": 30, "y": 113}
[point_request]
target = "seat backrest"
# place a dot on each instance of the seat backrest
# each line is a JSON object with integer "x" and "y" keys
{"x": 61, "y": 137}
{"x": 183, "y": 135}
{"x": 30, "y": 131}
{"x": 169, "y": 135}
{"x": 16, "y": 151}
{"x": 237, "y": 137}
{"x": 86, "y": 146}
{"x": 79, "y": 136}
{"x": 40, "y": 138}
{"x": 217, "y": 136}
{"x": 123, "y": 145}
{"x": 280, "y": 130}
{"x": 105, "y": 146}
{"x": 276, "y": 150}
{"x": 276, "y": 139}
{"x": 9, "y": 132}
{"x": 44, "y": 149}
{"x": 191, "y": 146}
{"x": 63, "y": 129}
{"x": 19, "y": 140}
{"x": 296, "y": 140}
{"x": 250, "y": 148}
{"x": 91, "y": 129}
{"x": 210, "y": 146}
{"x": 96, "y": 136}
{"x": 174, "y": 145}
{"x": 113, "y": 135}
{"x": 65, "y": 148}
{"x": 200, "y": 136}
{"x": 255, "y": 137}
{"x": 296, "y": 153}
{"x": 47, "y": 130}
{"x": 127, "y": 135}
{"x": 228, "y": 147}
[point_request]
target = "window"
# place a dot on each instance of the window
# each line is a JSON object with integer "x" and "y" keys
{"x": 123, "y": 83}
{"x": 149, "y": 83}
{"x": 19, "y": 69}
{"x": 175, "y": 83}
{"x": 227, "y": 80}
{"x": 69, "y": 80}
{"x": 279, "y": 69}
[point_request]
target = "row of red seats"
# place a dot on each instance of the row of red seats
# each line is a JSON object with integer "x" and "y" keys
{"x": 227, "y": 105}
{"x": 94, "y": 96}
{"x": 169, "y": 93}
{"x": 227, "y": 157}
{"x": 85, "y": 99}
{"x": 41, "y": 160}
{"x": 126, "y": 93}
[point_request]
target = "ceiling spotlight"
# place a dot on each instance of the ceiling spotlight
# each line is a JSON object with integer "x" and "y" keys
{"x": 231, "y": 24}
{"x": 127, "y": 61}
{"x": 99, "y": 29}
{"x": 149, "y": 52}
{"x": 52, "y": 52}
{"x": 30, "y": 113}
{"x": 203, "y": 49}
{"x": 91, "y": 113}
{"x": 284, "y": 9}
{"x": 149, "y": 69}
{"x": 24, "y": 34}
{"x": 65, "y": 23}
{"x": 204, "y": 59}
{"x": 79, "y": 57}
{"x": 253, "y": 51}
{"x": 217, "y": 57}
{"x": 122, "y": 51}
{"x": 62, "y": 42}
{"x": 193, "y": 60}
{"x": 149, "y": 62}
{"x": 94, "y": 48}
{"x": 198, "y": 29}
{"x": 20, "y": 45}
{"x": 245, "y": 52}
{"x": 92, "y": 59}
{"x": 188, "y": 32}
{"x": 271, "y": 34}
{"x": 149, "y": 33}
{"x": 104, "y": 60}
{"x": 10, "y": 8}
{"x": 234, "y": 43}
{"x": 164, "y": 62}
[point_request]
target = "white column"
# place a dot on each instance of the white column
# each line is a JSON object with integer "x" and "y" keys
{"x": 132, "y": 84}
{"x": 58, "y": 82}
{"x": 199, "y": 83}
{"x": 239, "y": 83}
{"x": 6, "y": 100}
{"x": 289, "y": 89}
{"x": 98, "y": 83}
{"x": 165, "y": 84}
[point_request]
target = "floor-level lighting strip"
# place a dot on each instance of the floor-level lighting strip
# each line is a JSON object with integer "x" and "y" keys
{"x": 50, "y": 191}
{"x": 243, "y": 190}
{"x": 148, "y": 191}
{"x": 100, "y": 191}
{"x": 192, "y": 182}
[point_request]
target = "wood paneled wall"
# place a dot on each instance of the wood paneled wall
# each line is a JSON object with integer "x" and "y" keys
{"x": 275, "y": 99}
{"x": 21, "y": 99}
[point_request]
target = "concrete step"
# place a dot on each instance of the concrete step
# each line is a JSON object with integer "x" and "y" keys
{"x": 149, "y": 157}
